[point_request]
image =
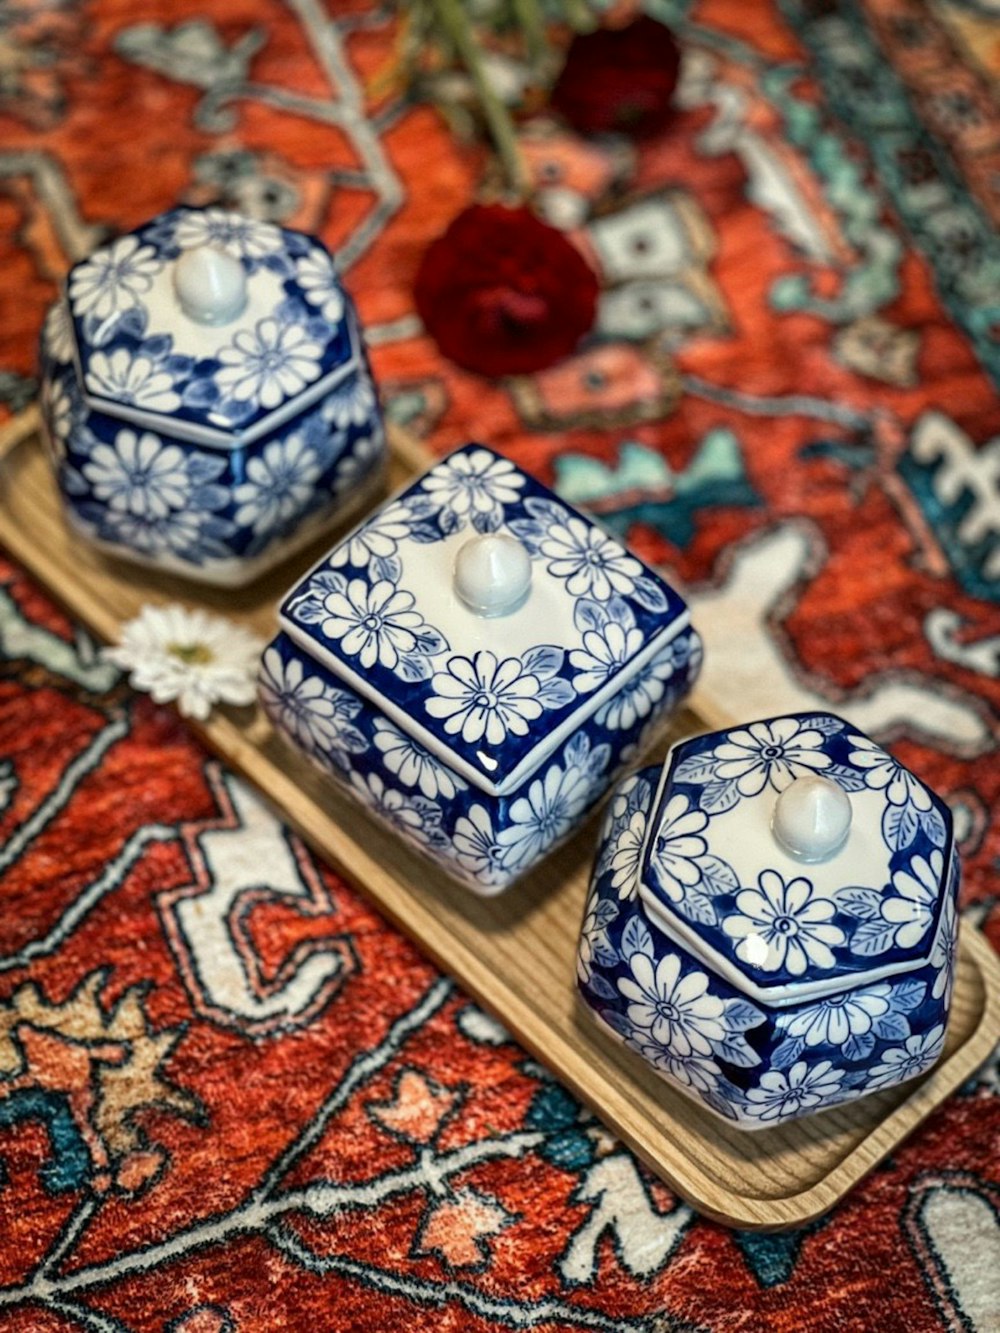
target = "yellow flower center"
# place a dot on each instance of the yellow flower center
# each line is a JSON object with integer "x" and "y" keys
{"x": 191, "y": 654}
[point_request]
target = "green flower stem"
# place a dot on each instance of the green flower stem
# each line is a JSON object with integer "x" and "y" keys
{"x": 579, "y": 16}
{"x": 529, "y": 18}
{"x": 501, "y": 126}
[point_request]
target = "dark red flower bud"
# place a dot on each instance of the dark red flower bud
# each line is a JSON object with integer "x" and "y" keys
{"x": 503, "y": 293}
{"x": 619, "y": 80}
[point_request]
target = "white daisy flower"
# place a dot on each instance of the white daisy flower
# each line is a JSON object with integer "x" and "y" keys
{"x": 114, "y": 278}
{"x": 592, "y": 563}
{"x": 172, "y": 653}
{"x": 412, "y": 764}
{"x": 603, "y": 655}
{"x": 376, "y": 539}
{"x": 639, "y": 695}
{"x": 782, "y": 1095}
{"x": 279, "y": 484}
{"x": 57, "y": 334}
{"x": 671, "y": 1011}
{"x": 678, "y": 846}
{"x": 376, "y": 624}
{"x": 60, "y": 410}
{"x": 831, "y": 1021}
{"x": 316, "y": 715}
{"x": 484, "y": 697}
{"x": 944, "y": 951}
{"x": 139, "y": 475}
{"x": 239, "y": 236}
{"x": 137, "y": 380}
{"x": 912, "y": 912}
{"x": 477, "y": 847}
{"x": 361, "y": 460}
{"x": 769, "y": 754}
{"x": 474, "y": 483}
{"x": 392, "y": 805}
{"x": 352, "y": 403}
{"x": 883, "y": 773}
{"x": 902, "y": 1062}
{"x": 545, "y": 815}
{"x": 317, "y": 276}
{"x": 783, "y": 926}
{"x": 269, "y": 364}
{"x": 178, "y": 532}
{"x": 625, "y": 858}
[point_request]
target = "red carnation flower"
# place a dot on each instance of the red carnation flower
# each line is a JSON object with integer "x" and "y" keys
{"x": 502, "y": 293}
{"x": 619, "y": 79}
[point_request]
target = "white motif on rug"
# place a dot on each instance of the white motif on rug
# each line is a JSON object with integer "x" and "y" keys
{"x": 239, "y": 861}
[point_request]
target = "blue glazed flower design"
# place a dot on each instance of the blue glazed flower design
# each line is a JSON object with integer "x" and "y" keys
{"x": 484, "y": 706}
{"x": 208, "y": 450}
{"x": 712, "y": 1033}
{"x": 773, "y": 918}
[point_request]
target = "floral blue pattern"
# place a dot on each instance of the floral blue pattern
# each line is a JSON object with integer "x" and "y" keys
{"x": 774, "y": 924}
{"x": 199, "y": 477}
{"x": 487, "y": 707}
{"x": 755, "y": 1063}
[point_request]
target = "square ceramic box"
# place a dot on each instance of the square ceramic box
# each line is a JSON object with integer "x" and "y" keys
{"x": 772, "y": 919}
{"x": 206, "y": 395}
{"x": 476, "y": 662}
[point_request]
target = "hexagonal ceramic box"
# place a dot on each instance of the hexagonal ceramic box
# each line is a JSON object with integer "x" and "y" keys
{"x": 476, "y": 662}
{"x": 772, "y": 921}
{"x": 206, "y": 395}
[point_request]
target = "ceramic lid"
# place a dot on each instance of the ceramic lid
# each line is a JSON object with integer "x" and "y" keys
{"x": 483, "y": 615}
{"x": 796, "y": 857}
{"x": 209, "y": 326}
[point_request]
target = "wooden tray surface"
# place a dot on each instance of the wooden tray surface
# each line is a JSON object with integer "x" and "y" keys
{"x": 514, "y": 953}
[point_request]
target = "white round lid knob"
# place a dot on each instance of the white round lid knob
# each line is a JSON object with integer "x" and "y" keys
{"x": 812, "y": 818}
{"x": 492, "y": 574}
{"x": 210, "y": 285}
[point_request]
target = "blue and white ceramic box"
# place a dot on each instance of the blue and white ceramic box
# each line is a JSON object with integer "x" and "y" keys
{"x": 771, "y": 921}
{"x": 476, "y": 662}
{"x": 206, "y": 395}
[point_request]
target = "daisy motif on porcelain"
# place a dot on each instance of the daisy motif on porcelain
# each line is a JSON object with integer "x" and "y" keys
{"x": 136, "y": 380}
{"x": 673, "y": 1012}
{"x": 679, "y": 847}
{"x": 114, "y": 278}
{"x": 316, "y": 274}
{"x": 592, "y": 563}
{"x": 605, "y": 651}
{"x": 414, "y": 766}
{"x": 832, "y": 1021}
{"x": 782, "y": 926}
{"x": 279, "y": 484}
{"x": 626, "y": 854}
{"x": 783, "y": 1094}
{"x": 417, "y": 819}
{"x": 172, "y": 653}
{"x": 483, "y": 698}
{"x": 376, "y": 541}
{"x": 61, "y": 409}
{"x": 317, "y": 716}
{"x": 545, "y": 815}
{"x": 769, "y": 754}
{"x": 473, "y": 485}
{"x": 376, "y": 623}
{"x": 945, "y": 950}
{"x": 57, "y": 334}
{"x": 913, "y": 911}
{"x": 181, "y": 532}
{"x": 239, "y": 236}
{"x": 595, "y": 943}
{"x": 695, "y": 1072}
{"x": 883, "y": 773}
{"x": 139, "y": 474}
{"x": 352, "y": 403}
{"x": 268, "y": 364}
{"x": 476, "y": 846}
{"x": 639, "y": 695}
{"x": 899, "y": 1063}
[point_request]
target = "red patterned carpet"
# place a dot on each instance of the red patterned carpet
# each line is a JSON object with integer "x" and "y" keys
{"x": 235, "y": 1101}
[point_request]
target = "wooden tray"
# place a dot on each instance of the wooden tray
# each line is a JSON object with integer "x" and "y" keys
{"x": 514, "y": 953}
